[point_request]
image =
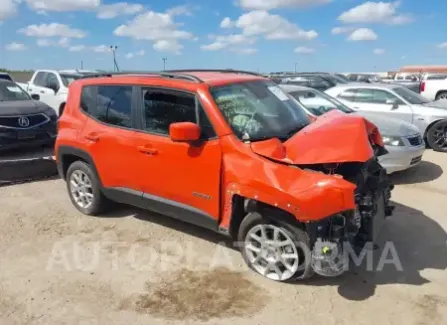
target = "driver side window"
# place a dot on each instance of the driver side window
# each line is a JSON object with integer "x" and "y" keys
{"x": 376, "y": 96}
{"x": 52, "y": 82}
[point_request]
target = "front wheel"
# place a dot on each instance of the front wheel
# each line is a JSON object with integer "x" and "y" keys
{"x": 277, "y": 251}
{"x": 437, "y": 136}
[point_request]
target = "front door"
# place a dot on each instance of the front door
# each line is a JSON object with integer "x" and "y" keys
{"x": 383, "y": 103}
{"x": 179, "y": 179}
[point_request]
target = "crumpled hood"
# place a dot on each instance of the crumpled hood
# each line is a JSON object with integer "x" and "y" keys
{"x": 22, "y": 107}
{"x": 334, "y": 137}
{"x": 390, "y": 126}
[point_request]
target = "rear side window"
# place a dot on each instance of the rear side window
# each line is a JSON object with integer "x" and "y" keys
{"x": 108, "y": 104}
{"x": 4, "y": 76}
{"x": 348, "y": 95}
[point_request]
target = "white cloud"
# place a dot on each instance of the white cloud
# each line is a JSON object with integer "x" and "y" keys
{"x": 443, "y": 45}
{"x": 157, "y": 27}
{"x": 341, "y": 30}
{"x": 276, "y": 4}
{"x": 43, "y": 42}
{"x": 245, "y": 51}
{"x": 376, "y": 12}
{"x": 226, "y": 23}
{"x": 52, "y": 30}
{"x": 379, "y": 51}
{"x": 185, "y": 10}
{"x": 118, "y": 9}
{"x": 76, "y": 48}
{"x": 304, "y": 50}
{"x": 168, "y": 45}
{"x": 131, "y": 55}
{"x": 224, "y": 41}
{"x": 8, "y": 8}
{"x": 15, "y": 46}
{"x": 101, "y": 48}
{"x": 62, "y": 5}
{"x": 272, "y": 27}
{"x": 363, "y": 34}
{"x": 62, "y": 42}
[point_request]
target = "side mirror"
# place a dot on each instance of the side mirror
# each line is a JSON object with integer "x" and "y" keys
{"x": 392, "y": 102}
{"x": 35, "y": 96}
{"x": 54, "y": 86}
{"x": 184, "y": 132}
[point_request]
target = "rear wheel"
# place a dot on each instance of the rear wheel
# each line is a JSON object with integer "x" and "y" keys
{"x": 442, "y": 95}
{"x": 84, "y": 189}
{"x": 437, "y": 136}
{"x": 277, "y": 251}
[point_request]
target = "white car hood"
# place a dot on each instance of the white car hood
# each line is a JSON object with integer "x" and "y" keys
{"x": 390, "y": 126}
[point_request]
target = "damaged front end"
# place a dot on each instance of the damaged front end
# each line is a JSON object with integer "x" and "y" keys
{"x": 355, "y": 229}
{"x": 346, "y": 147}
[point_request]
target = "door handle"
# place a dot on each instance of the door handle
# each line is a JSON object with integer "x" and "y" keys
{"x": 29, "y": 89}
{"x": 42, "y": 92}
{"x": 94, "y": 137}
{"x": 147, "y": 151}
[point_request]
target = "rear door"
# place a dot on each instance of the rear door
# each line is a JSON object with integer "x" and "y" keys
{"x": 109, "y": 135}
{"x": 179, "y": 179}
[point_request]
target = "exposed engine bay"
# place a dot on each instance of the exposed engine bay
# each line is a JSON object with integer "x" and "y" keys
{"x": 357, "y": 229}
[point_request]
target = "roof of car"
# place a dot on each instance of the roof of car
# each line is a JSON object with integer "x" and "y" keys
{"x": 290, "y": 87}
{"x": 210, "y": 77}
{"x": 378, "y": 85}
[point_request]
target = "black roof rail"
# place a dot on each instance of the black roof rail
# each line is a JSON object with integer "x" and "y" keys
{"x": 217, "y": 70}
{"x": 163, "y": 74}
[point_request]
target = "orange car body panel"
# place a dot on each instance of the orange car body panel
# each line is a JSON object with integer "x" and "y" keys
{"x": 224, "y": 166}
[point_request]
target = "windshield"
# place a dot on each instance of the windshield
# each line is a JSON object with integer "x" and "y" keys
{"x": 410, "y": 96}
{"x": 342, "y": 77}
{"x": 69, "y": 78}
{"x": 5, "y": 76}
{"x": 335, "y": 79}
{"x": 9, "y": 91}
{"x": 258, "y": 110}
{"x": 319, "y": 103}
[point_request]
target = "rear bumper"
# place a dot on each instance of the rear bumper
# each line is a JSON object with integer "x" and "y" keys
{"x": 401, "y": 158}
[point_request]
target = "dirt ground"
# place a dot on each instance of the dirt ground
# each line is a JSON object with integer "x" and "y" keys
{"x": 133, "y": 267}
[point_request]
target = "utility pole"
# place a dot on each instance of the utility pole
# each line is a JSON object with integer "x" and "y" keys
{"x": 82, "y": 64}
{"x": 295, "y": 66}
{"x": 164, "y": 63}
{"x": 113, "y": 48}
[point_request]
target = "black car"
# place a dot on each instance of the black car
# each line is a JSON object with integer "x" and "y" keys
{"x": 319, "y": 81}
{"x": 24, "y": 121}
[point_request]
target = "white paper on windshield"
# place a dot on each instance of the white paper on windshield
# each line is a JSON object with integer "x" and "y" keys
{"x": 14, "y": 89}
{"x": 278, "y": 93}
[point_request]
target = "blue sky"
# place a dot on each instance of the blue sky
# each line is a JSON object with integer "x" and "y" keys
{"x": 264, "y": 35}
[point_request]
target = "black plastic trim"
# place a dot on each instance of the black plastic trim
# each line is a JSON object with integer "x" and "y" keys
{"x": 163, "y": 206}
{"x": 68, "y": 150}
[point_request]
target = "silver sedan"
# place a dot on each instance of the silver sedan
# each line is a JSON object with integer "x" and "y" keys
{"x": 388, "y": 100}
{"x": 403, "y": 141}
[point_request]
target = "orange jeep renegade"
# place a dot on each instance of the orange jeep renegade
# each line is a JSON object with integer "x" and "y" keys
{"x": 229, "y": 151}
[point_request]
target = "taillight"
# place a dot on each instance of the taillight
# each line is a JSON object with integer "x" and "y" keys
{"x": 422, "y": 86}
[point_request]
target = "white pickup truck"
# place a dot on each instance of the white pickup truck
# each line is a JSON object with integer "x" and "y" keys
{"x": 52, "y": 86}
{"x": 434, "y": 89}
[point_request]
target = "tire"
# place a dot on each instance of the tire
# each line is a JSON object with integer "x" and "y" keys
{"x": 441, "y": 95}
{"x": 437, "y": 136}
{"x": 298, "y": 243}
{"x": 98, "y": 201}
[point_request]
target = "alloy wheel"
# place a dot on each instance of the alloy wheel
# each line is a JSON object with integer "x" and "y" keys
{"x": 81, "y": 189}
{"x": 439, "y": 135}
{"x": 271, "y": 252}
{"x": 442, "y": 96}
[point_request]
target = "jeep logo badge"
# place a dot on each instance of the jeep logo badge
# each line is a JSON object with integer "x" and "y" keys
{"x": 23, "y": 121}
